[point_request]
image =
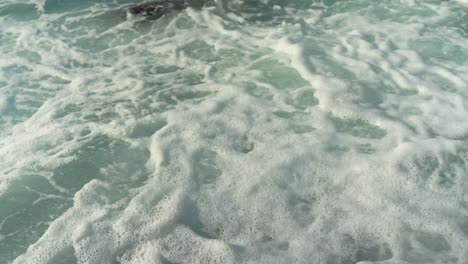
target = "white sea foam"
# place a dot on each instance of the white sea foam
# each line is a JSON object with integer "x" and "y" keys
{"x": 249, "y": 132}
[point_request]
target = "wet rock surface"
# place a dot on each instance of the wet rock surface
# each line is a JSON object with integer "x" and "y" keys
{"x": 156, "y": 9}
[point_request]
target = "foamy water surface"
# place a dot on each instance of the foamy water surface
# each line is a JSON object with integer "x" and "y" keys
{"x": 248, "y": 131}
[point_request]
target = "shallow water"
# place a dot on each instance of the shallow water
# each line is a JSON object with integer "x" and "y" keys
{"x": 245, "y": 132}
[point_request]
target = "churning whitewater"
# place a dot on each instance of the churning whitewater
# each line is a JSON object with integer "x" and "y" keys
{"x": 237, "y": 131}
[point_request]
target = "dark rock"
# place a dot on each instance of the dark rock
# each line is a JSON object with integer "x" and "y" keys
{"x": 156, "y": 9}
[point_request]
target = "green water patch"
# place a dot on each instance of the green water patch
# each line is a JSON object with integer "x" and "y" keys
{"x": 14, "y": 70}
{"x": 432, "y": 241}
{"x": 258, "y": 91}
{"x": 301, "y": 208}
{"x": 302, "y": 99}
{"x": 184, "y": 23}
{"x": 200, "y": 50}
{"x": 147, "y": 129}
{"x": 365, "y": 148}
{"x": 290, "y": 115}
{"x": 74, "y": 175}
{"x": 26, "y": 209}
{"x": 331, "y": 68}
{"x": 191, "y": 78}
{"x": 66, "y": 256}
{"x": 298, "y": 122}
{"x": 463, "y": 225}
{"x": 443, "y": 170}
{"x": 439, "y": 82}
{"x": 60, "y": 6}
{"x": 186, "y": 95}
{"x": 96, "y": 157}
{"x": 357, "y": 127}
{"x": 191, "y": 95}
{"x": 230, "y": 58}
{"x": 278, "y": 75}
{"x": 207, "y": 168}
{"x": 426, "y": 246}
{"x": 435, "y": 48}
{"x": 360, "y": 250}
{"x": 375, "y": 91}
{"x": 29, "y": 55}
{"x": 370, "y": 94}
{"x": 160, "y": 69}
{"x": 19, "y": 12}
{"x": 397, "y": 12}
{"x": 337, "y": 149}
{"x": 338, "y": 6}
{"x": 27, "y": 95}
{"x": 34, "y": 200}
{"x": 243, "y": 145}
{"x": 377, "y": 252}
{"x": 92, "y": 33}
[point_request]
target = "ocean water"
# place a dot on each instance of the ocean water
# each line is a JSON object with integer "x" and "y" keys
{"x": 274, "y": 131}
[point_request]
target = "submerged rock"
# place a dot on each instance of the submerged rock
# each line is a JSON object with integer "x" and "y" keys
{"x": 156, "y": 9}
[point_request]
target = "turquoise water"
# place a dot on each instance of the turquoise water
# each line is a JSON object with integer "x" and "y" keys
{"x": 245, "y": 132}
